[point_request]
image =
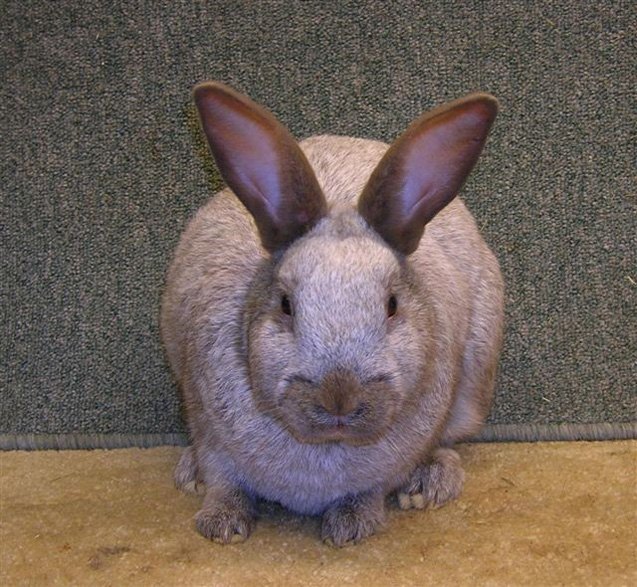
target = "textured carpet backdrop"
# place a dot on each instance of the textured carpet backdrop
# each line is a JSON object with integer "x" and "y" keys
{"x": 102, "y": 164}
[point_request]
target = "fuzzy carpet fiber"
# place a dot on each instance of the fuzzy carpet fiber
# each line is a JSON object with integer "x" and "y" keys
{"x": 531, "y": 514}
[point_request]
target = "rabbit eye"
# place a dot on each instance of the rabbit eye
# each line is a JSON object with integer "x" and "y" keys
{"x": 286, "y": 305}
{"x": 392, "y": 306}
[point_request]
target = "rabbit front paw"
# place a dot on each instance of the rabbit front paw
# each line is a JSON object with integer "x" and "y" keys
{"x": 224, "y": 525}
{"x": 434, "y": 483}
{"x": 226, "y": 521}
{"x": 352, "y": 519}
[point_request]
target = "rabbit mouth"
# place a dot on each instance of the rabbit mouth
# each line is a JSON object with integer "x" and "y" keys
{"x": 340, "y": 408}
{"x": 313, "y": 425}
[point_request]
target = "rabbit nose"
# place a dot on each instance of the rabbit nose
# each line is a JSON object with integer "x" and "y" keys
{"x": 340, "y": 393}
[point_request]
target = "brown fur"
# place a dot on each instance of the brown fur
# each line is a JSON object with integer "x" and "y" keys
{"x": 327, "y": 402}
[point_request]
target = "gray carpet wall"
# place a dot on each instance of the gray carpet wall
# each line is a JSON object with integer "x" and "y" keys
{"x": 103, "y": 163}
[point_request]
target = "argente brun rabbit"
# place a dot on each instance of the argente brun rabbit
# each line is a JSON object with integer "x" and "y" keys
{"x": 333, "y": 319}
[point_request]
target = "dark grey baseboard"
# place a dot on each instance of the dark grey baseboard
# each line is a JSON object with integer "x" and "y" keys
{"x": 491, "y": 433}
{"x": 557, "y": 432}
{"x": 88, "y": 441}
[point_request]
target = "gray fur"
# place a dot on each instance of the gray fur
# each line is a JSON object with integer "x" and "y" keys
{"x": 353, "y": 518}
{"x": 249, "y": 379}
{"x": 434, "y": 482}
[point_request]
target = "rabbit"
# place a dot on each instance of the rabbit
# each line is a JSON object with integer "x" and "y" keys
{"x": 333, "y": 319}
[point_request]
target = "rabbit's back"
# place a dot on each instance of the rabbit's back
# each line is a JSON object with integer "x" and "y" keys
{"x": 451, "y": 240}
{"x": 215, "y": 260}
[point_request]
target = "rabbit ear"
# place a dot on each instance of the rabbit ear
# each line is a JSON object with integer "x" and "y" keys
{"x": 262, "y": 163}
{"x": 425, "y": 168}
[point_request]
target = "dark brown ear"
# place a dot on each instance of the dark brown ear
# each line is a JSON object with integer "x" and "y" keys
{"x": 262, "y": 163}
{"x": 425, "y": 168}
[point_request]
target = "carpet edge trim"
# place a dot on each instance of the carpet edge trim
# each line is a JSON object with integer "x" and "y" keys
{"x": 490, "y": 433}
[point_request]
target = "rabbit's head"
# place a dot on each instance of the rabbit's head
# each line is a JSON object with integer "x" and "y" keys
{"x": 332, "y": 352}
{"x": 340, "y": 337}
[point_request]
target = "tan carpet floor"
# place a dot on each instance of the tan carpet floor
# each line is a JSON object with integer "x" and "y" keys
{"x": 531, "y": 514}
